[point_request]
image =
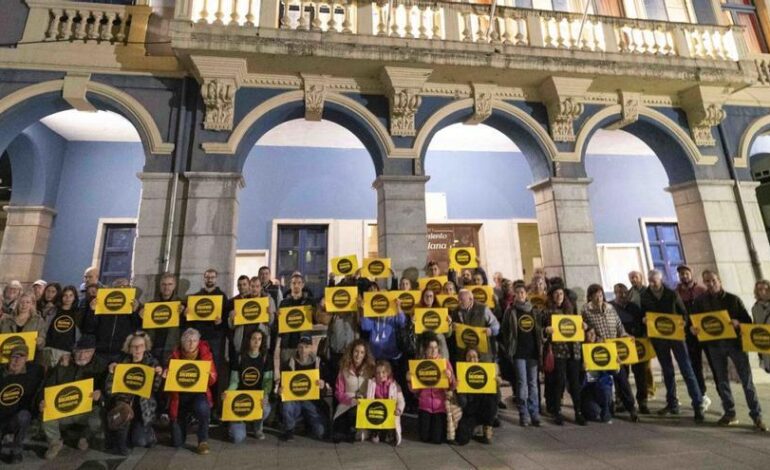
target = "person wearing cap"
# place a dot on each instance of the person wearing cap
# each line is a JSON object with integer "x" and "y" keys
{"x": 26, "y": 319}
{"x": 83, "y": 364}
{"x": 22, "y": 381}
{"x": 38, "y": 287}
{"x": 11, "y": 294}
{"x": 689, "y": 289}
{"x": 309, "y": 410}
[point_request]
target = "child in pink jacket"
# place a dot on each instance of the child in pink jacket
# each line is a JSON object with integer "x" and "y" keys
{"x": 384, "y": 386}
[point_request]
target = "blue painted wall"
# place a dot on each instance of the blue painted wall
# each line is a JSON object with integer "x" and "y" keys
{"x": 98, "y": 179}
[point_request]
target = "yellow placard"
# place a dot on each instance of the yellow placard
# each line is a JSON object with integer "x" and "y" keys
{"x": 379, "y": 304}
{"x": 376, "y": 268}
{"x": 600, "y": 356}
{"x": 8, "y": 341}
{"x": 665, "y": 326}
{"x": 70, "y": 399}
{"x": 242, "y": 405}
{"x": 428, "y": 373}
{"x": 341, "y": 299}
{"x": 483, "y": 295}
{"x": 204, "y": 307}
{"x": 251, "y": 311}
{"x": 713, "y": 325}
{"x": 134, "y": 379}
{"x": 567, "y": 329}
{"x": 448, "y": 301}
{"x": 187, "y": 376}
{"x": 115, "y": 301}
{"x": 344, "y": 265}
{"x": 433, "y": 283}
{"x": 161, "y": 315}
{"x": 408, "y": 298}
{"x": 300, "y": 385}
{"x": 476, "y": 377}
{"x": 626, "y": 347}
{"x": 295, "y": 319}
{"x": 462, "y": 258}
{"x": 376, "y": 414}
{"x": 471, "y": 337}
{"x": 644, "y": 350}
{"x": 755, "y": 338}
{"x": 431, "y": 319}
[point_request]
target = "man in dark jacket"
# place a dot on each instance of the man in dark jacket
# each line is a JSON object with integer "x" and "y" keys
{"x": 267, "y": 285}
{"x": 164, "y": 340}
{"x": 110, "y": 331}
{"x": 658, "y": 298}
{"x": 20, "y": 383}
{"x": 716, "y": 299}
{"x": 84, "y": 365}
{"x": 632, "y": 318}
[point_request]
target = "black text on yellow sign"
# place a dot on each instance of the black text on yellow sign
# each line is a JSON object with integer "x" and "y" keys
{"x": 567, "y": 329}
{"x": 295, "y": 319}
{"x": 344, "y": 265}
{"x": 187, "y": 376}
{"x": 483, "y": 295}
{"x": 242, "y": 405}
{"x": 433, "y": 283}
{"x": 626, "y": 347}
{"x": 476, "y": 377}
{"x": 448, "y": 301}
{"x": 376, "y": 414}
{"x": 251, "y": 311}
{"x": 70, "y": 399}
{"x": 376, "y": 268}
{"x": 408, "y": 298}
{"x": 300, "y": 385}
{"x": 644, "y": 350}
{"x": 431, "y": 319}
{"x": 428, "y": 373}
{"x": 665, "y": 326}
{"x": 134, "y": 379}
{"x": 341, "y": 299}
{"x": 462, "y": 258}
{"x": 600, "y": 356}
{"x": 204, "y": 307}
{"x": 161, "y": 315}
{"x": 12, "y": 393}
{"x": 471, "y": 337}
{"x": 713, "y": 325}
{"x": 379, "y": 304}
{"x": 8, "y": 341}
{"x": 116, "y": 301}
{"x": 755, "y": 338}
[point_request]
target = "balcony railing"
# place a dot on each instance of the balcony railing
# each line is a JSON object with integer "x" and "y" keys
{"x": 471, "y": 23}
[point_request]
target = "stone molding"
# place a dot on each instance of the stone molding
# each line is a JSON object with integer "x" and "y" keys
{"x": 74, "y": 91}
{"x": 483, "y": 96}
{"x": 220, "y": 78}
{"x": 563, "y": 98}
{"x": 403, "y": 87}
{"x": 315, "y": 94}
{"x": 703, "y": 106}
{"x": 629, "y": 109}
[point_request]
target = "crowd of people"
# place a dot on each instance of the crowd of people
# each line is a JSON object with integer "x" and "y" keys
{"x": 360, "y": 357}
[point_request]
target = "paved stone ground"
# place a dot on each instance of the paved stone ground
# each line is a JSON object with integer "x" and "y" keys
{"x": 665, "y": 443}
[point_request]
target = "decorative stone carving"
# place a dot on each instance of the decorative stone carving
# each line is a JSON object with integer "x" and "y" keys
{"x": 315, "y": 94}
{"x": 74, "y": 91}
{"x": 563, "y": 98}
{"x": 483, "y": 95}
{"x": 403, "y": 86}
{"x": 220, "y": 78}
{"x": 629, "y": 103}
{"x": 703, "y": 106}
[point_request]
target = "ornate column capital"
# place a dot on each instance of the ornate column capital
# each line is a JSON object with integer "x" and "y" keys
{"x": 403, "y": 87}
{"x": 629, "y": 114}
{"x": 220, "y": 78}
{"x": 483, "y": 95}
{"x": 563, "y": 98}
{"x": 315, "y": 95}
{"x": 703, "y": 106}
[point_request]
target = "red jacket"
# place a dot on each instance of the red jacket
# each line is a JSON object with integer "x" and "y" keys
{"x": 204, "y": 354}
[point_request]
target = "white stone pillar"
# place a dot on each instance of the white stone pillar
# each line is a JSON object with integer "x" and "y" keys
{"x": 401, "y": 223}
{"x": 25, "y": 243}
{"x": 567, "y": 241}
{"x": 713, "y": 236}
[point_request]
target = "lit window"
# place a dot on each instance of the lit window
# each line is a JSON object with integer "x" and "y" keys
{"x": 744, "y": 13}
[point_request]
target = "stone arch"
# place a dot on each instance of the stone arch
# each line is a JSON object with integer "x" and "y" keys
{"x": 756, "y": 128}
{"x": 528, "y": 134}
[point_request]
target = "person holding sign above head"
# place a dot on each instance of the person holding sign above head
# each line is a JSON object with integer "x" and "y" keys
{"x": 286, "y": 344}
{"x": 163, "y": 335}
{"x": 632, "y": 317}
{"x": 252, "y": 369}
{"x": 660, "y": 299}
{"x": 293, "y": 406}
{"x": 603, "y": 324}
{"x": 26, "y": 319}
{"x": 761, "y": 313}
{"x": 131, "y": 414}
{"x": 716, "y": 299}
{"x": 356, "y": 370}
{"x": 383, "y": 329}
{"x": 184, "y": 405}
{"x": 341, "y": 326}
{"x": 20, "y": 383}
{"x": 253, "y": 310}
{"x": 82, "y": 365}
{"x": 428, "y": 300}
{"x": 385, "y": 387}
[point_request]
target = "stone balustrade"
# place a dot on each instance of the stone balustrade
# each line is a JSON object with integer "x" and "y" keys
{"x": 79, "y": 22}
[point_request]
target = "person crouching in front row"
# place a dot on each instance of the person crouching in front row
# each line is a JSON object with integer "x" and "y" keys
{"x": 291, "y": 411}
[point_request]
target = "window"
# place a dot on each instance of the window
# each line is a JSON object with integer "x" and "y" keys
{"x": 117, "y": 252}
{"x": 303, "y": 248}
{"x": 744, "y": 13}
{"x": 665, "y": 249}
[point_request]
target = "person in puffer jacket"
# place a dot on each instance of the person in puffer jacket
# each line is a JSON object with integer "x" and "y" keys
{"x": 384, "y": 386}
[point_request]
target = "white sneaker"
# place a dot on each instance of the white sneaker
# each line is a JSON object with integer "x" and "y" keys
{"x": 706, "y": 403}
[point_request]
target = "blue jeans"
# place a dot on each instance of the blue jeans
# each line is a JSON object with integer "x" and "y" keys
{"x": 720, "y": 351}
{"x": 663, "y": 349}
{"x": 292, "y": 411}
{"x": 237, "y": 430}
{"x": 191, "y": 404}
{"x": 527, "y": 389}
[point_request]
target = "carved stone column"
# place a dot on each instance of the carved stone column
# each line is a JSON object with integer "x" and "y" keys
{"x": 220, "y": 78}
{"x": 563, "y": 97}
{"x": 703, "y": 106}
{"x": 403, "y": 86}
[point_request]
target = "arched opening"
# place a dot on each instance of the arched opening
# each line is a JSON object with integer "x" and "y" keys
{"x": 759, "y": 164}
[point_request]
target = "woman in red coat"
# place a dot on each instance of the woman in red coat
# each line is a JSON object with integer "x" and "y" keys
{"x": 182, "y": 406}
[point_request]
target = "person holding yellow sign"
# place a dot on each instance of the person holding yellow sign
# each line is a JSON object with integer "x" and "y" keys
{"x": 308, "y": 409}
{"x": 64, "y": 327}
{"x": 384, "y": 386}
{"x": 475, "y": 314}
{"x": 125, "y": 393}
{"x": 164, "y": 338}
{"x": 432, "y": 414}
{"x": 20, "y": 383}
{"x": 82, "y": 365}
{"x": 111, "y": 330}
{"x": 660, "y": 299}
{"x": 356, "y": 370}
{"x": 383, "y": 330}
{"x": 255, "y": 305}
{"x": 761, "y": 313}
{"x": 716, "y": 299}
{"x": 26, "y": 319}
{"x": 479, "y": 409}
{"x": 286, "y": 344}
